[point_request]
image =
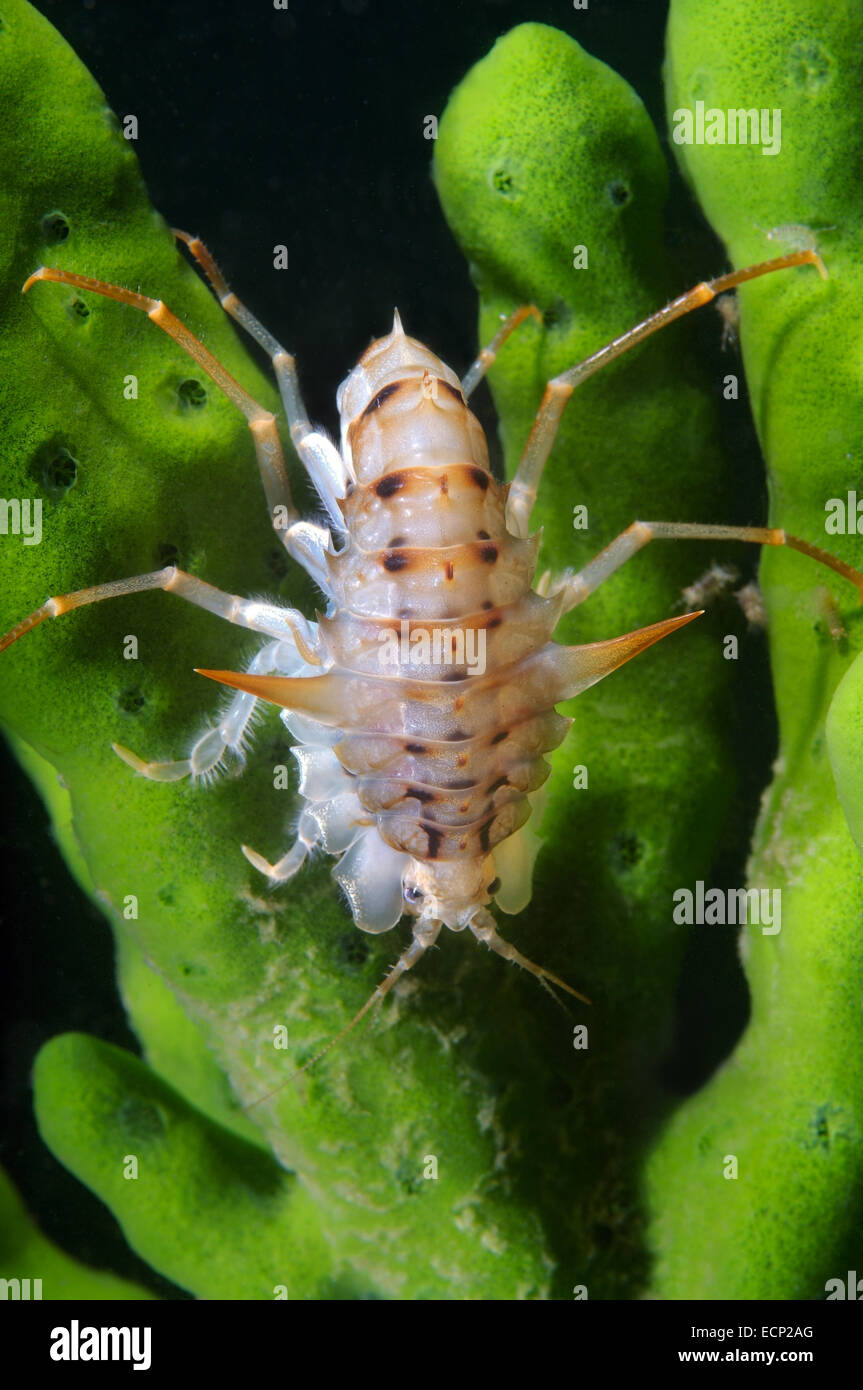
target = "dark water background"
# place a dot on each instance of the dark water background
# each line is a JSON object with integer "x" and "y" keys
{"x": 304, "y": 127}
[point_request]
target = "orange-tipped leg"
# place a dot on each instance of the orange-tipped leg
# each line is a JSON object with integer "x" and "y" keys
{"x": 478, "y": 368}
{"x": 577, "y": 587}
{"x": 262, "y": 423}
{"x": 523, "y": 490}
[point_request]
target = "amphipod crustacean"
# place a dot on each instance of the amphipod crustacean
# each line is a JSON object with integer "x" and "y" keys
{"x": 422, "y": 701}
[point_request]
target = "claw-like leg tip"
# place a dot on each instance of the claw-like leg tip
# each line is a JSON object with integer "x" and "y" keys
{"x": 31, "y": 279}
{"x": 137, "y": 764}
{"x": 258, "y": 862}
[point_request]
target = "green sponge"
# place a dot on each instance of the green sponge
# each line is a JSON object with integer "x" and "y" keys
{"x": 464, "y": 1148}
{"x": 34, "y": 1268}
{"x": 788, "y": 1107}
{"x": 409, "y": 1144}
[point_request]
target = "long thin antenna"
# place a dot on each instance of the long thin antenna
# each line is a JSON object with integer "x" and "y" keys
{"x": 425, "y": 935}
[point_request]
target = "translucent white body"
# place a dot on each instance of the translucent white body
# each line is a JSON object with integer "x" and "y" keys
{"x": 418, "y": 773}
{"x": 423, "y": 701}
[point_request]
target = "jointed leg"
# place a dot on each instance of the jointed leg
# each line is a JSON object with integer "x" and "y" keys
{"x": 322, "y": 459}
{"x": 522, "y": 493}
{"x": 309, "y": 544}
{"x": 425, "y": 935}
{"x": 295, "y": 646}
{"x": 261, "y": 423}
{"x": 208, "y": 752}
{"x": 478, "y": 368}
{"x": 308, "y": 836}
{"x": 285, "y": 518}
{"x": 484, "y": 929}
{"x": 576, "y": 587}
{"x": 267, "y": 618}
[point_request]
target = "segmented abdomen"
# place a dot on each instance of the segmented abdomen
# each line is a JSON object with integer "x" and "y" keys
{"x": 442, "y": 673}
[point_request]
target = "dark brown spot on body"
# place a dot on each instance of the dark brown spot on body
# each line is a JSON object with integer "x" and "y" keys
{"x": 483, "y": 536}
{"x": 434, "y": 839}
{"x": 396, "y": 541}
{"x": 421, "y": 794}
{"x": 493, "y": 623}
{"x": 459, "y": 785}
{"x": 487, "y": 603}
{"x": 395, "y": 560}
{"x": 378, "y": 399}
{"x": 485, "y": 836}
{"x": 488, "y": 554}
{"x": 449, "y": 569}
{"x": 390, "y": 483}
{"x": 499, "y": 738}
{"x": 480, "y": 478}
{"x": 415, "y": 748}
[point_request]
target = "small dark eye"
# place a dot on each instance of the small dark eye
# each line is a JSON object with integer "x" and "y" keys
{"x": 493, "y": 887}
{"x": 412, "y": 894}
